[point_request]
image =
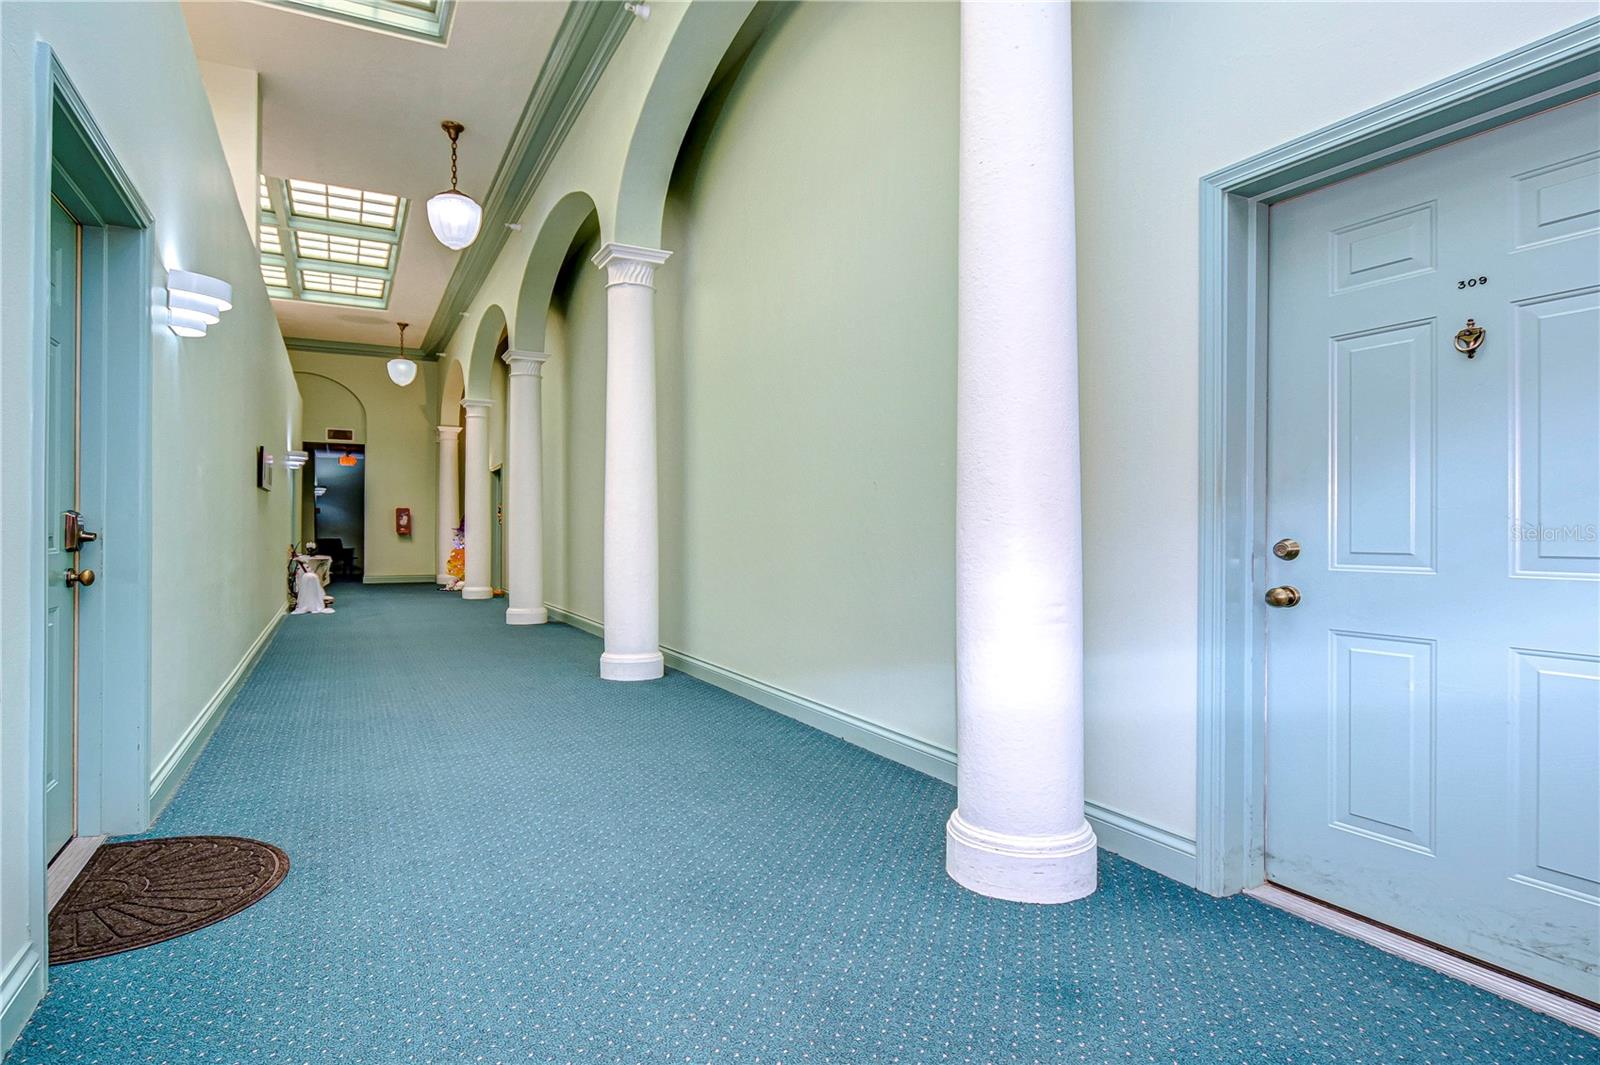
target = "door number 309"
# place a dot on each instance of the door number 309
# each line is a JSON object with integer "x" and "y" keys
{"x": 1472, "y": 282}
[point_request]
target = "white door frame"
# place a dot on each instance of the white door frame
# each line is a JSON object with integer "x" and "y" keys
{"x": 1231, "y": 733}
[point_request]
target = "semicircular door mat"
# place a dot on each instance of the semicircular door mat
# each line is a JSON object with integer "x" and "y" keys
{"x": 146, "y": 891}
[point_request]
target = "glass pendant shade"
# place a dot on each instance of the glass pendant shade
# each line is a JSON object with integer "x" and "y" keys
{"x": 455, "y": 218}
{"x": 402, "y": 371}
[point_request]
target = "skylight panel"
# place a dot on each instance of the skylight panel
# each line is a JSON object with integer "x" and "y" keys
{"x": 263, "y": 198}
{"x": 343, "y": 284}
{"x": 427, "y": 19}
{"x": 339, "y": 203}
{"x": 332, "y": 247}
{"x": 269, "y": 241}
{"x": 275, "y": 276}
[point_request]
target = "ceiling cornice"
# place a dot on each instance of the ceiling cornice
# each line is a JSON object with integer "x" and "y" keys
{"x": 588, "y": 37}
{"x": 350, "y": 347}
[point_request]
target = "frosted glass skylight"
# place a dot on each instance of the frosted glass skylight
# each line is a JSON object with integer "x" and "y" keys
{"x": 329, "y": 243}
{"x": 336, "y": 203}
{"x": 334, "y": 248}
{"x": 428, "y": 19}
{"x": 342, "y": 284}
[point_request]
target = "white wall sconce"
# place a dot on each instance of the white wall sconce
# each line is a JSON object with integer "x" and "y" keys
{"x": 639, "y": 10}
{"x": 195, "y": 302}
{"x": 295, "y": 460}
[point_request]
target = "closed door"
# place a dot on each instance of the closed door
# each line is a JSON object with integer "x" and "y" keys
{"x": 1433, "y": 697}
{"x": 61, "y": 495}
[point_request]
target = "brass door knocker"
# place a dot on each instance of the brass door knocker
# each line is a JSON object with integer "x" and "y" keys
{"x": 1470, "y": 339}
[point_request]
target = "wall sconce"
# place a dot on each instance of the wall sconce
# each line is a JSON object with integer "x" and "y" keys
{"x": 195, "y": 301}
{"x": 294, "y": 460}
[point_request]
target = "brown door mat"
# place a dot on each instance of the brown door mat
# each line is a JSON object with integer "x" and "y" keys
{"x": 133, "y": 894}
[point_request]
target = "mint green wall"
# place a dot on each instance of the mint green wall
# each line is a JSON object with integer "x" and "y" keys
{"x": 575, "y": 436}
{"x": 806, "y": 361}
{"x": 402, "y": 449}
{"x": 807, "y": 402}
{"x": 218, "y": 541}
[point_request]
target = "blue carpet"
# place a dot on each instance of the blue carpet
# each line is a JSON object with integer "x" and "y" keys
{"x": 497, "y": 857}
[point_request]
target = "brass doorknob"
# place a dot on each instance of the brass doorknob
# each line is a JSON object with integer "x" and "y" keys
{"x": 84, "y": 577}
{"x": 1283, "y": 595}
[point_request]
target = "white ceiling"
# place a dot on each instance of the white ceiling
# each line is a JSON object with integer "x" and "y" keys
{"x": 358, "y": 107}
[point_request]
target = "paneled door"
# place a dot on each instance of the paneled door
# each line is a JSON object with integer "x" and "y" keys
{"x": 61, "y": 494}
{"x": 1433, "y": 515}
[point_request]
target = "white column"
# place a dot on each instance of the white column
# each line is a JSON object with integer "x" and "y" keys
{"x": 1018, "y": 831}
{"x": 476, "y": 501}
{"x": 632, "y": 553}
{"x": 524, "y": 537}
{"x": 449, "y": 498}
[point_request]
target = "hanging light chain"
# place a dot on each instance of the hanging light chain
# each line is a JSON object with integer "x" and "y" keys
{"x": 453, "y": 130}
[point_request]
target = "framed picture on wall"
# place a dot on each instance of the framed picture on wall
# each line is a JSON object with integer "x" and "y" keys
{"x": 263, "y": 469}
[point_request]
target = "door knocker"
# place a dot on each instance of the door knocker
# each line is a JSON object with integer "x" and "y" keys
{"x": 1470, "y": 339}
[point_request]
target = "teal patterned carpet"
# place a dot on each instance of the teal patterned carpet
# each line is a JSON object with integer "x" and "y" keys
{"x": 499, "y": 858}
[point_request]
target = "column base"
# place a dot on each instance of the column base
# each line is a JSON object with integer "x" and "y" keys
{"x": 647, "y": 666}
{"x": 526, "y": 615}
{"x": 1044, "y": 869}
{"x": 470, "y": 592}
{"x": 443, "y": 578}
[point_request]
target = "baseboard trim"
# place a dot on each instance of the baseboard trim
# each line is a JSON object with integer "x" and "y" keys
{"x": 400, "y": 578}
{"x": 1143, "y": 843}
{"x": 1584, "y": 1018}
{"x": 577, "y": 621}
{"x": 1138, "y": 841}
{"x": 21, "y": 990}
{"x": 166, "y": 778}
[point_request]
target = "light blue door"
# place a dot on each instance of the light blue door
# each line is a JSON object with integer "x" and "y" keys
{"x": 1433, "y": 699}
{"x": 61, "y": 455}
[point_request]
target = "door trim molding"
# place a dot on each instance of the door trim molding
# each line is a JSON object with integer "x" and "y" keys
{"x": 1231, "y": 723}
{"x": 72, "y": 156}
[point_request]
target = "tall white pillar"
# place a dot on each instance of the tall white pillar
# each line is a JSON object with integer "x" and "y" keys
{"x": 1018, "y": 831}
{"x": 476, "y": 501}
{"x": 449, "y": 498}
{"x": 632, "y": 552}
{"x": 524, "y": 537}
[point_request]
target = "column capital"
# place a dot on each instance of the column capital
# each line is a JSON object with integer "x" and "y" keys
{"x": 476, "y": 408}
{"x": 628, "y": 264}
{"x": 525, "y": 363}
{"x": 447, "y": 432}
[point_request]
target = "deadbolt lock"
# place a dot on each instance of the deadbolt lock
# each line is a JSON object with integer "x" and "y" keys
{"x": 1287, "y": 549}
{"x": 1284, "y": 595}
{"x": 83, "y": 577}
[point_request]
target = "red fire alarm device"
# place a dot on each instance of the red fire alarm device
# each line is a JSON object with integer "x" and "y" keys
{"x": 402, "y": 521}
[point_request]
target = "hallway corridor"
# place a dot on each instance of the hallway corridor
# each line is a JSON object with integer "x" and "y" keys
{"x": 498, "y": 857}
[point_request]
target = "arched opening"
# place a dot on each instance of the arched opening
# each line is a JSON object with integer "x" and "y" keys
{"x": 333, "y": 500}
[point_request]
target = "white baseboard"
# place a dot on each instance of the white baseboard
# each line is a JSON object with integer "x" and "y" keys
{"x": 1585, "y": 1018}
{"x": 400, "y": 578}
{"x": 1143, "y": 843}
{"x": 166, "y": 776}
{"x": 21, "y": 989}
{"x": 1139, "y": 842}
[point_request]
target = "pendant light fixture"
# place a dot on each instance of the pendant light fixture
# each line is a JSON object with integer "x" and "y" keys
{"x": 454, "y": 216}
{"x": 402, "y": 371}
